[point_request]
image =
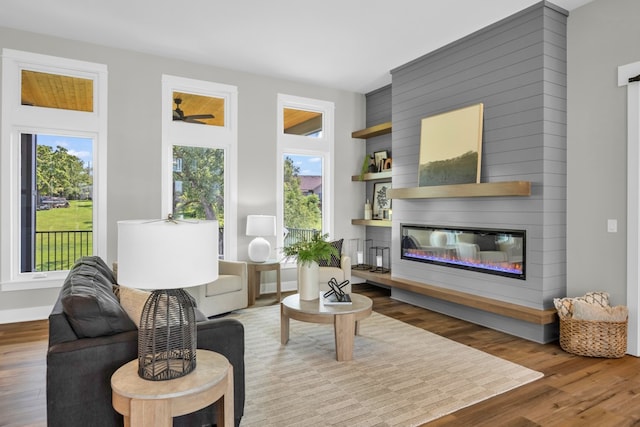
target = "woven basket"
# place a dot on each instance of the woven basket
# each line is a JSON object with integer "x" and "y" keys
{"x": 593, "y": 338}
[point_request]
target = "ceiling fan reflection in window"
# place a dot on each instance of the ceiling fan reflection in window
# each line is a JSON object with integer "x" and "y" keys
{"x": 178, "y": 114}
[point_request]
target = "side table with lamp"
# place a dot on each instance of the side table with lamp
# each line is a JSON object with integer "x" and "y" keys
{"x": 165, "y": 256}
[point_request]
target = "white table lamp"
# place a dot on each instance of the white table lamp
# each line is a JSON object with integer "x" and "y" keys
{"x": 166, "y": 256}
{"x": 260, "y": 226}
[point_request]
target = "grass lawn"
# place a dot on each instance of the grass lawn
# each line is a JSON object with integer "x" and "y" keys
{"x": 63, "y": 235}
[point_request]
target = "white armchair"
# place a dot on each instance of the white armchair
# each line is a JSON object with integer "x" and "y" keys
{"x": 229, "y": 292}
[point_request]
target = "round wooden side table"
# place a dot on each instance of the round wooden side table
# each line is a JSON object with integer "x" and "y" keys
{"x": 154, "y": 403}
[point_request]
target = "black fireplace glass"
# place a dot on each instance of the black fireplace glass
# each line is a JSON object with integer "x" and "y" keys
{"x": 485, "y": 250}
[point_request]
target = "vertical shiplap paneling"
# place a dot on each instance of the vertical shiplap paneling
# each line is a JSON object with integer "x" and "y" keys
{"x": 378, "y": 111}
{"x": 517, "y": 68}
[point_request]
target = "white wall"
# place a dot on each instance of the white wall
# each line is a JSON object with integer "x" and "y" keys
{"x": 135, "y": 142}
{"x": 601, "y": 36}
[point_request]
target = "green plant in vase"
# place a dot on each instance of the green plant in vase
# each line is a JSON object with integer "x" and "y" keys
{"x": 308, "y": 253}
{"x": 315, "y": 249}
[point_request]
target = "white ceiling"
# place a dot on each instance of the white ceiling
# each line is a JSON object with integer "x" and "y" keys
{"x": 345, "y": 44}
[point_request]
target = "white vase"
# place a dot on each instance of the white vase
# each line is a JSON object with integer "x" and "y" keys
{"x": 308, "y": 281}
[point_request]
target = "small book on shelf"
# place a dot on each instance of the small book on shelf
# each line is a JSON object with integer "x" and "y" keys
{"x": 334, "y": 299}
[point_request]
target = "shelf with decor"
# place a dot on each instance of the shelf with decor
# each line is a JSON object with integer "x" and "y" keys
{"x": 372, "y": 131}
{"x": 372, "y": 222}
{"x": 372, "y": 176}
{"x": 487, "y": 189}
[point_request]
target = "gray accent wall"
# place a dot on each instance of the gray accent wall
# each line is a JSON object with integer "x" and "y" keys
{"x": 517, "y": 69}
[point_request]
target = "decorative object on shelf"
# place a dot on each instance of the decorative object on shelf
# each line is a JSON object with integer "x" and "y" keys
{"x": 381, "y": 256}
{"x": 166, "y": 256}
{"x": 379, "y": 158}
{"x": 380, "y": 198}
{"x": 373, "y": 168}
{"x": 361, "y": 253}
{"x": 365, "y": 166}
{"x": 308, "y": 253}
{"x": 387, "y": 164}
{"x": 368, "y": 212}
{"x": 260, "y": 226}
{"x": 451, "y": 147}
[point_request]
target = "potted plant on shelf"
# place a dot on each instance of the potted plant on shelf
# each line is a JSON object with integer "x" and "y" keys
{"x": 308, "y": 253}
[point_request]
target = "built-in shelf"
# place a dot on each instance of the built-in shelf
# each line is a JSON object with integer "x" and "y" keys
{"x": 370, "y": 132}
{"x": 515, "y": 311}
{"x": 372, "y": 222}
{"x": 487, "y": 189}
{"x": 372, "y": 176}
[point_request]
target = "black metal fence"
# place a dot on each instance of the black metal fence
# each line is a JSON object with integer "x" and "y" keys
{"x": 59, "y": 250}
{"x": 298, "y": 234}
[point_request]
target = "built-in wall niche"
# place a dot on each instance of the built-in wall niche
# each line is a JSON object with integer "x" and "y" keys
{"x": 491, "y": 251}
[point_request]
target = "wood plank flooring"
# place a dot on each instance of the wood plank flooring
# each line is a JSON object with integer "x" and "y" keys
{"x": 575, "y": 391}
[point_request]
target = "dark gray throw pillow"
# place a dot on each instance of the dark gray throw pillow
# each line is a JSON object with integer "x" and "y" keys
{"x": 89, "y": 303}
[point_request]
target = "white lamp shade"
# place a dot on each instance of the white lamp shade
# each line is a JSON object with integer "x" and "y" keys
{"x": 160, "y": 254}
{"x": 261, "y": 225}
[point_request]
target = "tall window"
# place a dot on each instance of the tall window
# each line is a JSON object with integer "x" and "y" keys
{"x": 305, "y": 156}
{"x": 53, "y": 159}
{"x": 199, "y": 136}
{"x": 56, "y": 203}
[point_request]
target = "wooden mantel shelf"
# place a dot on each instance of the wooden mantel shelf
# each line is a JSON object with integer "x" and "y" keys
{"x": 370, "y": 132}
{"x": 514, "y": 311}
{"x": 487, "y": 189}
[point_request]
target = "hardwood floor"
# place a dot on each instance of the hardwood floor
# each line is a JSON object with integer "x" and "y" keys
{"x": 23, "y": 351}
{"x": 575, "y": 391}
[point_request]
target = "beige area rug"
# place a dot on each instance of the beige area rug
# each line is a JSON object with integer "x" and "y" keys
{"x": 400, "y": 375}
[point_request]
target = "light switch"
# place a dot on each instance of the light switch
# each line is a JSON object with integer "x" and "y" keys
{"x": 612, "y": 225}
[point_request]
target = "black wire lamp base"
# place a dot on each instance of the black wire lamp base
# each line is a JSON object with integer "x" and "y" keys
{"x": 167, "y": 336}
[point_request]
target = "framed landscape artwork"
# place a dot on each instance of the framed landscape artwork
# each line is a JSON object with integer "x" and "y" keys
{"x": 381, "y": 201}
{"x": 451, "y": 147}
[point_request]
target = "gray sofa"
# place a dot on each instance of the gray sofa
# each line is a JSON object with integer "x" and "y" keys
{"x": 91, "y": 336}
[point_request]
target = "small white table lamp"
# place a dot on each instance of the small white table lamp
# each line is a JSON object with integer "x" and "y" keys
{"x": 260, "y": 226}
{"x": 166, "y": 256}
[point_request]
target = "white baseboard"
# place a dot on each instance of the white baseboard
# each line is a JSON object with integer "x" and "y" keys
{"x": 270, "y": 287}
{"x": 25, "y": 314}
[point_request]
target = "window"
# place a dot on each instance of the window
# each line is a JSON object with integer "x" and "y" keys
{"x": 56, "y": 203}
{"x": 199, "y": 140}
{"x": 53, "y": 163}
{"x": 305, "y": 156}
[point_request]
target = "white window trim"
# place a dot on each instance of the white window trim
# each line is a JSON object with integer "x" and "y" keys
{"x": 16, "y": 119}
{"x": 322, "y": 146}
{"x": 188, "y": 134}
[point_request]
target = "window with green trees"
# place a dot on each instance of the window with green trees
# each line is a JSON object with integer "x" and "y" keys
{"x": 56, "y": 207}
{"x": 302, "y": 196}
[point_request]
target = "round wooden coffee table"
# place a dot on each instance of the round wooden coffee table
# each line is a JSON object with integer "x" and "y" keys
{"x": 345, "y": 319}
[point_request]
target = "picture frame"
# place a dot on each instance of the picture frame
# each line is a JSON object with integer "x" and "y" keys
{"x": 451, "y": 147}
{"x": 379, "y": 158}
{"x": 381, "y": 201}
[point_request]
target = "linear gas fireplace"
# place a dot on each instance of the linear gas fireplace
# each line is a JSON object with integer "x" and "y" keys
{"x": 491, "y": 251}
